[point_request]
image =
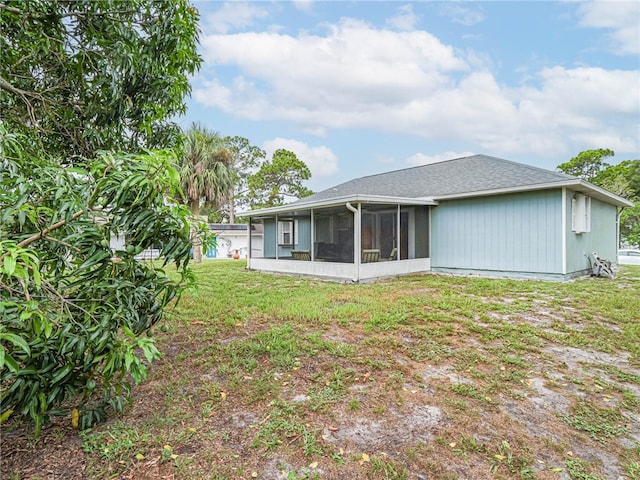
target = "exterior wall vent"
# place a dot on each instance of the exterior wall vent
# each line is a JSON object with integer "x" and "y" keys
{"x": 581, "y": 213}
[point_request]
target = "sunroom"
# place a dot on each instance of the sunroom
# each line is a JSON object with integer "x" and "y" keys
{"x": 355, "y": 239}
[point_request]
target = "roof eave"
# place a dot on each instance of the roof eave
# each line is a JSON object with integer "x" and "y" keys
{"x": 605, "y": 195}
{"x": 576, "y": 184}
{"x": 332, "y": 202}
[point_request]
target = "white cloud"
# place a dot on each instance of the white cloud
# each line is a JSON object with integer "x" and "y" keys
{"x": 404, "y": 20}
{"x": 354, "y": 67}
{"x": 422, "y": 159}
{"x": 357, "y": 76}
{"x": 620, "y": 17}
{"x": 463, "y": 15}
{"x": 303, "y": 5}
{"x": 234, "y": 15}
{"x": 321, "y": 160}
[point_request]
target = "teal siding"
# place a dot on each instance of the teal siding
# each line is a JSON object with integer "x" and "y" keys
{"x": 520, "y": 232}
{"x": 269, "y": 238}
{"x": 601, "y": 239}
{"x": 304, "y": 234}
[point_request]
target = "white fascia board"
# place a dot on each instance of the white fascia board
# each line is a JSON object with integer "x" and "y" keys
{"x": 602, "y": 194}
{"x": 578, "y": 185}
{"x": 332, "y": 202}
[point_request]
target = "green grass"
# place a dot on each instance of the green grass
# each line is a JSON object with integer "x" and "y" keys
{"x": 387, "y": 469}
{"x": 579, "y": 470}
{"x": 261, "y": 367}
{"x": 116, "y": 447}
{"x": 600, "y": 423}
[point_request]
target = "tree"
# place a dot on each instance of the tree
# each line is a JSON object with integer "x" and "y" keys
{"x": 630, "y": 224}
{"x": 73, "y": 312}
{"x": 205, "y": 168}
{"x": 277, "y": 179}
{"x": 622, "y": 179}
{"x": 587, "y": 164}
{"x": 626, "y": 178}
{"x": 86, "y": 76}
{"x": 205, "y": 174}
{"x": 85, "y": 88}
{"x": 246, "y": 160}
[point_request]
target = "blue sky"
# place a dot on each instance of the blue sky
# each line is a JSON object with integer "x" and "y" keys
{"x": 357, "y": 88}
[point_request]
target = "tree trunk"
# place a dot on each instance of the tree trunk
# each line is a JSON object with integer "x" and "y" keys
{"x": 232, "y": 209}
{"x": 196, "y": 241}
{"x": 194, "y": 207}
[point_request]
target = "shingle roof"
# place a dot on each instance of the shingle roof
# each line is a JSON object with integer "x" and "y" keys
{"x": 456, "y": 178}
{"x": 477, "y": 173}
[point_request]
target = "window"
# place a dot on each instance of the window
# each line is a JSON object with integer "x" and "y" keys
{"x": 581, "y": 213}
{"x": 287, "y": 234}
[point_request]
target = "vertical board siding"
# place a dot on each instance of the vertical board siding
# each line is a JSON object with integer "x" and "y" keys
{"x": 519, "y": 232}
{"x": 269, "y": 238}
{"x": 601, "y": 239}
{"x": 304, "y": 234}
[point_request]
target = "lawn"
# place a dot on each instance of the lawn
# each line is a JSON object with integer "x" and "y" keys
{"x": 421, "y": 377}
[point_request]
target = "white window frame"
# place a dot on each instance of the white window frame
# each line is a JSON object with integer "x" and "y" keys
{"x": 287, "y": 233}
{"x": 581, "y": 213}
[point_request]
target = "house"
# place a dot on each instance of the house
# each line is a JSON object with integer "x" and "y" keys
{"x": 232, "y": 237}
{"x": 473, "y": 215}
{"x": 229, "y": 239}
{"x": 119, "y": 242}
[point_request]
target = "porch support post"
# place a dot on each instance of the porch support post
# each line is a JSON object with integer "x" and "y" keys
{"x": 276, "y": 239}
{"x": 249, "y": 244}
{"x": 357, "y": 218}
{"x": 313, "y": 238}
{"x": 563, "y": 230}
{"x": 293, "y": 234}
{"x": 398, "y": 233}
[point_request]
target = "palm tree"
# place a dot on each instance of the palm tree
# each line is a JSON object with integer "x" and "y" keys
{"x": 205, "y": 173}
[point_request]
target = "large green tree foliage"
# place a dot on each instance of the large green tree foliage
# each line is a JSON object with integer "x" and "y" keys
{"x": 278, "y": 179}
{"x": 206, "y": 175}
{"x": 630, "y": 224}
{"x": 205, "y": 168}
{"x": 89, "y": 75}
{"x": 80, "y": 83}
{"x": 587, "y": 164}
{"x": 72, "y": 310}
{"x": 622, "y": 179}
{"x": 246, "y": 160}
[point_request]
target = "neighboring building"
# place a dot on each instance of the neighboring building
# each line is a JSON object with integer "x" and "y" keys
{"x": 473, "y": 215}
{"x": 233, "y": 237}
{"x": 119, "y": 242}
{"x": 229, "y": 238}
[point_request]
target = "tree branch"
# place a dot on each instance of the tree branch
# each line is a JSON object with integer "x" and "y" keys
{"x": 60, "y": 242}
{"x": 10, "y": 88}
{"x": 45, "y": 232}
{"x": 4, "y": 85}
{"x": 11, "y": 9}
{"x": 55, "y": 226}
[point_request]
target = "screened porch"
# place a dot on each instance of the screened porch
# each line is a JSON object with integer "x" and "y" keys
{"x": 350, "y": 241}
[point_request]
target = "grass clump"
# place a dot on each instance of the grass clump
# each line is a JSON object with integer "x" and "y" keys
{"x": 283, "y": 426}
{"x": 579, "y": 470}
{"x": 600, "y": 423}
